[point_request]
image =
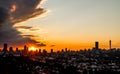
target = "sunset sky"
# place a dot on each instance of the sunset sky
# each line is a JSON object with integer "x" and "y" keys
{"x": 75, "y": 24}
{"x": 82, "y": 22}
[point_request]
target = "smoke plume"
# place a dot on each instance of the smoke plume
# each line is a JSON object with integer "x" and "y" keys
{"x": 15, "y": 11}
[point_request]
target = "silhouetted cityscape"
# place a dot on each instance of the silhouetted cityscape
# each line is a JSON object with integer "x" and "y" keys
{"x": 88, "y": 61}
{"x": 33, "y": 34}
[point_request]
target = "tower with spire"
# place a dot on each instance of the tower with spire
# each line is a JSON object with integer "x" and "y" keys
{"x": 110, "y": 44}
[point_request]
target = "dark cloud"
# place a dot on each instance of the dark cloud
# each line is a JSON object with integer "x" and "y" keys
{"x": 52, "y": 45}
{"x": 26, "y": 9}
{"x": 23, "y": 27}
{"x": 15, "y": 11}
{"x": 29, "y": 36}
{"x": 41, "y": 44}
{"x": 27, "y": 27}
{"x": 3, "y": 15}
{"x": 33, "y": 29}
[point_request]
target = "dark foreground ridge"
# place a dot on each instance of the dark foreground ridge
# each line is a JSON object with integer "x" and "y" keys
{"x": 65, "y": 62}
{"x": 16, "y": 65}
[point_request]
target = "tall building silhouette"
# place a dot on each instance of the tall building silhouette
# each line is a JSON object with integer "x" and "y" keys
{"x": 110, "y": 44}
{"x": 96, "y": 45}
{"x": 66, "y": 50}
{"x": 11, "y": 49}
{"x": 39, "y": 50}
{"x": 51, "y": 50}
{"x": 5, "y": 47}
{"x": 25, "y": 49}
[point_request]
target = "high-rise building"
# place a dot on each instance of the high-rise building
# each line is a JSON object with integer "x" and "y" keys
{"x": 25, "y": 50}
{"x": 39, "y": 50}
{"x": 11, "y": 49}
{"x": 96, "y": 45}
{"x": 66, "y": 50}
{"x": 51, "y": 50}
{"x": 5, "y": 47}
{"x": 44, "y": 51}
{"x": 25, "y": 47}
{"x": 17, "y": 49}
{"x": 110, "y": 44}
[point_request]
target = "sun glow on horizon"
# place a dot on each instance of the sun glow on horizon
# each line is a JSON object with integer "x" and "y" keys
{"x": 32, "y": 48}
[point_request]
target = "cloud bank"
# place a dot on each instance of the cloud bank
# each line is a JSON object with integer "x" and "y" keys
{"x": 15, "y": 11}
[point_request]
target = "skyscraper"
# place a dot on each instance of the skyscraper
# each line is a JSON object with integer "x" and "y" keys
{"x": 110, "y": 44}
{"x": 25, "y": 50}
{"x": 51, "y": 50}
{"x": 96, "y": 45}
{"x": 5, "y": 47}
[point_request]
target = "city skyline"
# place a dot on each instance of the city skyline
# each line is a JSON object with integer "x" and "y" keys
{"x": 6, "y": 47}
{"x": 61, "y": 24}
